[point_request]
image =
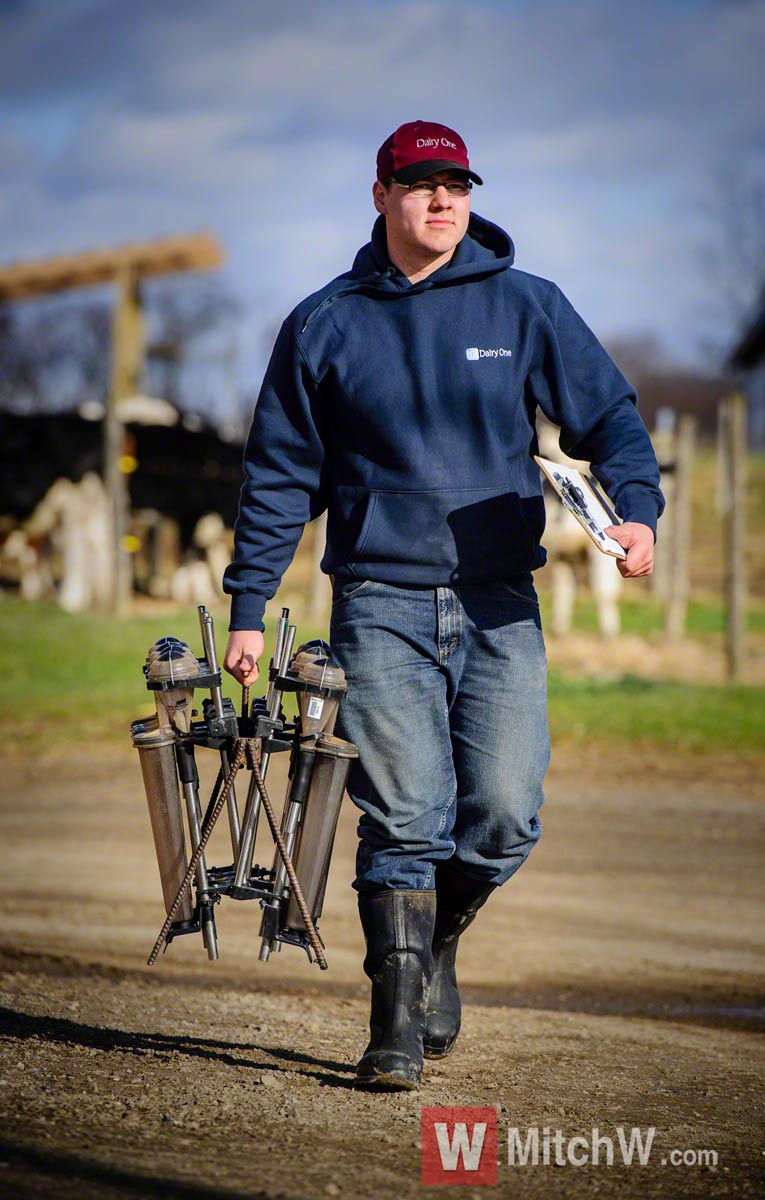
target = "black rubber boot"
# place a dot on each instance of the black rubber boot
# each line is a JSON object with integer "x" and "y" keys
{"x": 398, "y": 927}
{"x": 458, "y": 900}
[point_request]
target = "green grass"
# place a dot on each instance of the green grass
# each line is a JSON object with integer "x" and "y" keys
{"x": 644, "y": 616}
{"x": 688, "y": 716}
{"x": 65, "y": 675}
{"x": 60, "y": 672}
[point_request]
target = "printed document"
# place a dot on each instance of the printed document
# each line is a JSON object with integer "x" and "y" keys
{"x": 582, "y": 498}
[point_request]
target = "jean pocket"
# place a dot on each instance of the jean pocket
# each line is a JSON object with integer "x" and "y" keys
{"x": 346, "y": 589}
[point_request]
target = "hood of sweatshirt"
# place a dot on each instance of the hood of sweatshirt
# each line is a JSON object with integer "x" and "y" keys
{"x": 485, "y": 248}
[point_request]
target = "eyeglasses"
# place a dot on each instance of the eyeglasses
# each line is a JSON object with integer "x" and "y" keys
{"x": 425, "y": 187}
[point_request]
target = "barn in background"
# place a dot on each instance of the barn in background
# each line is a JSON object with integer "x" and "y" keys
{"x": 183, "y": 478}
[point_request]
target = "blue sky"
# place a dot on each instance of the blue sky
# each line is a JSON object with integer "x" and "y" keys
{"x": 601, "y": 130}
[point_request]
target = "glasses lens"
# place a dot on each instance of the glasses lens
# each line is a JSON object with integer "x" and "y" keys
{"x": 453, "y": 188}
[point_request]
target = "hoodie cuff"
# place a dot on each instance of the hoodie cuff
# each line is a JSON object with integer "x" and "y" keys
{"x": 639, "y": 504}
{"x": 247, "y": 610}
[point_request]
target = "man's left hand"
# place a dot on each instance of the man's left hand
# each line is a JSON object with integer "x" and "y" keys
{"x": 638, "y": 541}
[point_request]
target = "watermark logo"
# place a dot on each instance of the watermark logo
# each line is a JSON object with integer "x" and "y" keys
{"x": 545, "y": 1147}
{"x": 473, "y": 353}
{"x": 459, "y": 1146}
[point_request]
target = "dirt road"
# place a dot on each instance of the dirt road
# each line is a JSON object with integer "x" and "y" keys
{"x": 617, "y": 981}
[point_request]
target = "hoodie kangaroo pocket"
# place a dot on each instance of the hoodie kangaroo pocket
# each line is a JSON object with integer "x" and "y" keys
{"x": 470, "y": 534}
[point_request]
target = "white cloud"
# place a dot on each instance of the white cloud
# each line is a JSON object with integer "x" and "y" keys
{"x": 172, "y": 150}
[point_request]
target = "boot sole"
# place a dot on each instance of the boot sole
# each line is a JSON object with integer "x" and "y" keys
{"x": 437, "y": 1051}
{"x": 385, "y": 1083}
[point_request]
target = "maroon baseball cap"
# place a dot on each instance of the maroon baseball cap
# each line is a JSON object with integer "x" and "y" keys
{"x": 421, "y": 148}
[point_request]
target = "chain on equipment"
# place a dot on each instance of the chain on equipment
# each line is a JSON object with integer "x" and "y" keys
{"x": 291, "y": 892}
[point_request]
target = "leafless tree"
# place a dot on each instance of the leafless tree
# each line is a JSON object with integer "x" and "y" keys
{"x": 733, "y": 253}
{"x": 193, "y": 345}
{"x": 55, "y": 351}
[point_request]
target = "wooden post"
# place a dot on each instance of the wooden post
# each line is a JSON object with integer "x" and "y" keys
{"x": 664, "y": 438}
{"x": 734, "y": 449}
{"x": 678, "y": 582}
{"x": 127, "y": 357}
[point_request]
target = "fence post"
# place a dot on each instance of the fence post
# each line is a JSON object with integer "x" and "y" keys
{"x": 678, "y": 583}
{"x": 664, "y": 438}
{"x": 734, "y": 448}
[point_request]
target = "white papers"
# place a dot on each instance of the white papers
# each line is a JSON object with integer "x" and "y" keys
{"x": 587, "y": 506}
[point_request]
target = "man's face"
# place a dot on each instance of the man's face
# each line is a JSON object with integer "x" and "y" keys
{"x": 427, "y": 226}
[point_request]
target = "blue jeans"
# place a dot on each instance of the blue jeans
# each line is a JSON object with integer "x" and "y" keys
{"x": 447, "y": 704}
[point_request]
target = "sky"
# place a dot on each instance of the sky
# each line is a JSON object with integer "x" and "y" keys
{"x": 602, "y": 130}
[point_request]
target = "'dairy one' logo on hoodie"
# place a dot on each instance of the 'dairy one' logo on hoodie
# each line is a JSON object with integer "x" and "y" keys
{"x": 472, "y": 353}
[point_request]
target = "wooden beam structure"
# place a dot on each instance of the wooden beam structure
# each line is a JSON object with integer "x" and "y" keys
{"x": 127, "y": 364}
{"x": 124, "y": 267}
{"x": 25, "y": 280}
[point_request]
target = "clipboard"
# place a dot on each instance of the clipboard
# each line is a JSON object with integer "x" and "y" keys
{"x": 581, "y": 496}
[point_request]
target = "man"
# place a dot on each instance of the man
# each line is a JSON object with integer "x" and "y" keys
{"x": 401, "y": 398}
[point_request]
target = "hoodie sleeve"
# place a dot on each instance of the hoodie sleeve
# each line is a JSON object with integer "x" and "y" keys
{"x": 283, "y": 477}
{"x": 579, "y": 387}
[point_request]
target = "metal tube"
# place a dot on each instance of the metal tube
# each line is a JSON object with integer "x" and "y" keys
{"x": 289, "y": 642}
{"x": 290, "y": 830}
{"x": 291, "y": 823}
{"x": 209, "y": 936}
{"x": 281, "y": 633}
{"x": 208, "y": 643}
{"x": 312, "y": 855}
{"x": 194, "y": 813}
{"x": 281, "y": 667}
{"x": 286, "y": 655}
{"x": 250, "y": 826}
{"x": 275, "y": 697}
{"x": 302, "y": 771}
{"x": 160, "y": 777}
{"x": 249, "y": 833}
{"x": 285, "y": 638}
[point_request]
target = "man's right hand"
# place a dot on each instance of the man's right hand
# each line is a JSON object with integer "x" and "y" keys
{"x": 244, "y": 648}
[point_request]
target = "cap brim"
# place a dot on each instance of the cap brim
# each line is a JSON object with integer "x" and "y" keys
{"x": 429, "y": 166}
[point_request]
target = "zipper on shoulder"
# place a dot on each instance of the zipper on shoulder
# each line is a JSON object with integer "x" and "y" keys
{"x": 356, "y": 286}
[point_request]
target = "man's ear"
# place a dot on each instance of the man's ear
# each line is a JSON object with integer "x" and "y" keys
{"x": 380, "y": 196}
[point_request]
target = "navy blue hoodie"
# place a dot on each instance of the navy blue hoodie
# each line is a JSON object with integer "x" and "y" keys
{"x": 407, "y": 412}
